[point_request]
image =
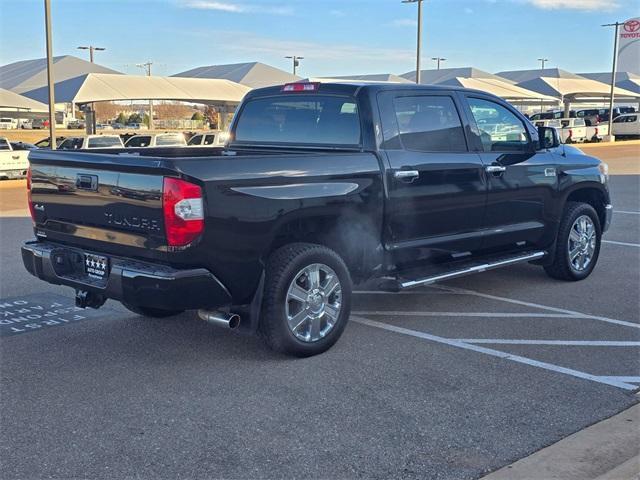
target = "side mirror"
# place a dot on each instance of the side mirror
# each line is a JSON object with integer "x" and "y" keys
{"x": 548, "y": 138}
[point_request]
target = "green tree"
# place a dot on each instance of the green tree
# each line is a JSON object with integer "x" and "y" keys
{"x": 197, "y": 116}
{"x": 121, "y": 118}
{"x": 145, "y": 119}
{"x": 134, "y": 118}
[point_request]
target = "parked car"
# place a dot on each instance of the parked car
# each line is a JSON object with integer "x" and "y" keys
{"x": 596, "y": 133}
{"x": 91, "y": 141}
{"x": 596, "y": 116}
{"x": 118, "y": 126}
{"x": 137, "y": 126}
{"x": 40, "y": 123}
{"x": 551, "y": 115}
{"x": 213, "y": 138}
{"x": 23, "y": 146}
{"x": 570, "y": 130}
{"x": 13, "y": 160}
{"x": 76, "y": 125}
{"x": 25, "y": 124}
{"x": 8, "y": 123}
{"x": 321, "y": 186}
{"x": 626, "y": 125}
{"x": 574, "y": 130}
{"x": 157, "y": 140}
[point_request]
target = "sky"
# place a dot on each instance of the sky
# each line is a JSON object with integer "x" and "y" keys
{"x": 336, "y": 37}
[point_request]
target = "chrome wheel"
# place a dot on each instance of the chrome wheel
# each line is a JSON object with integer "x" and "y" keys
{"x": 582, "y": 243}
{"x": 313, "y": 302}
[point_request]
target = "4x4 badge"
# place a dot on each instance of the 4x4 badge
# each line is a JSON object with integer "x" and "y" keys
{"x": 549, "y": 172}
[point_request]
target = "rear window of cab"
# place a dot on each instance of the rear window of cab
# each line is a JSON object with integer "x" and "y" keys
{"x": 299, "y": 120}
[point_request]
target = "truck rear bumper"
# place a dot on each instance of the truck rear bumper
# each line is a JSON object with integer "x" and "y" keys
{"x": 129, "y": 281}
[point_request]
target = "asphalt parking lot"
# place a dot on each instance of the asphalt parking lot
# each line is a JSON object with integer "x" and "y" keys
{"x": 450, "y": 381}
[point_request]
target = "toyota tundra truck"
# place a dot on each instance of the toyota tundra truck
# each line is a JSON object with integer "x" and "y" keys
{"x": 320, "y": 187}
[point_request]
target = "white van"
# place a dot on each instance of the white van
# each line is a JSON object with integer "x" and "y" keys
{"x": 8, "y": 123}
{"x": 627, "y": 125}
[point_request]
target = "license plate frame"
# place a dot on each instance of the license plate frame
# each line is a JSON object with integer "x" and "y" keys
{"x": 96, "y": 266}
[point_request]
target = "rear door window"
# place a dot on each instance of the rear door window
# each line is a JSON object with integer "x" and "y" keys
{"x": 4, "y": 145}
{"x": 429, "y": 124}
{"x": 322, "y": 120}
{"x": 209, "y": 139}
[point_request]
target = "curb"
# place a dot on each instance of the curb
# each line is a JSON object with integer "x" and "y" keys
{"x": 607, "y": 450}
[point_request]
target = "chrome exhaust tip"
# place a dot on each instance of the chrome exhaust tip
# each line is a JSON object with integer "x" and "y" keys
{"x": 221, "y": 319}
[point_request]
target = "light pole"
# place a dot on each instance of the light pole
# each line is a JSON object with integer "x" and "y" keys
{"x": 91, "y": 49}
{"x": 296, "y": 61}
{"x": 418, "y": 42}
{"x": 50, "y": 83}
{"x": 438, "y": 60}
{"x": 542, "y": 62}
{"x": 147, "y": 67}
{"x": 613, "y": 74}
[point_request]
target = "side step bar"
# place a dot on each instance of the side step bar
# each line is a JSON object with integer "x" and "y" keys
{"x": 403, "y": 284}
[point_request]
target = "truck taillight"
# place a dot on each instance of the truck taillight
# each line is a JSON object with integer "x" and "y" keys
{"x": 300, "y": 87}
{"x": 183, "y": 210}
{"x": 29, "y": 201}
{"x": 570, "y": 133}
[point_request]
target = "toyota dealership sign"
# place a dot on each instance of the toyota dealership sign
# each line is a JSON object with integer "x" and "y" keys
{"x": 629, "y": 47}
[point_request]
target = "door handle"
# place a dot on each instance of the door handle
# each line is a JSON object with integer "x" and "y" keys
{"x": 495, "y": 169}
{"x": 406, "y": 175}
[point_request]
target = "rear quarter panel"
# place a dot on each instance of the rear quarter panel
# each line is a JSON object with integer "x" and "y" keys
{"x": 253, "y": 202}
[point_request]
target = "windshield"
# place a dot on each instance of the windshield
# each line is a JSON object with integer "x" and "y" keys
{"x": 300, "y": 120}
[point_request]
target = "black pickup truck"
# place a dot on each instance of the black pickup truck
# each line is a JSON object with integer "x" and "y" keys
{"x": 320, "y": 186}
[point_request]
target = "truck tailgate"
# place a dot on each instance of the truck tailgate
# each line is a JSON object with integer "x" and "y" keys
{"x": 106, "y": 203}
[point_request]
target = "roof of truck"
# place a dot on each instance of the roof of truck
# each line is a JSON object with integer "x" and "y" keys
{"x": 352, "y": 87}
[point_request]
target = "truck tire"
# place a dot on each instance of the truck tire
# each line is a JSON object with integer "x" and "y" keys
{"x": 151, "y": 312}
{"x": 307, "y": 299}
{"x": 578, "y": 244}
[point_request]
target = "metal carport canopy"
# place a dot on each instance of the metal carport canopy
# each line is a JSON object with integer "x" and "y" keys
{"x": 103, "y": 87}
{"x": 9, "y": 99}
{"x": 501, "y": 89}
{"x": 576, "y": 89}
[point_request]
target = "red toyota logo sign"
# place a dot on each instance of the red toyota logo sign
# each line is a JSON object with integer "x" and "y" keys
{"x": 632, "y": 26}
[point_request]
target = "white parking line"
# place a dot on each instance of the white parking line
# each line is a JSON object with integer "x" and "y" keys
{"x": 626, "y": 212}
{"x": 404, "y": 292}
{"x": 538, "y": 305}
{"x": 579, "y": 343}
{"x": 496, "y": 353}
{"x": 623, "y": 379}
{"x": 625, "y": 244}
{"x": 470, "y": 314}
